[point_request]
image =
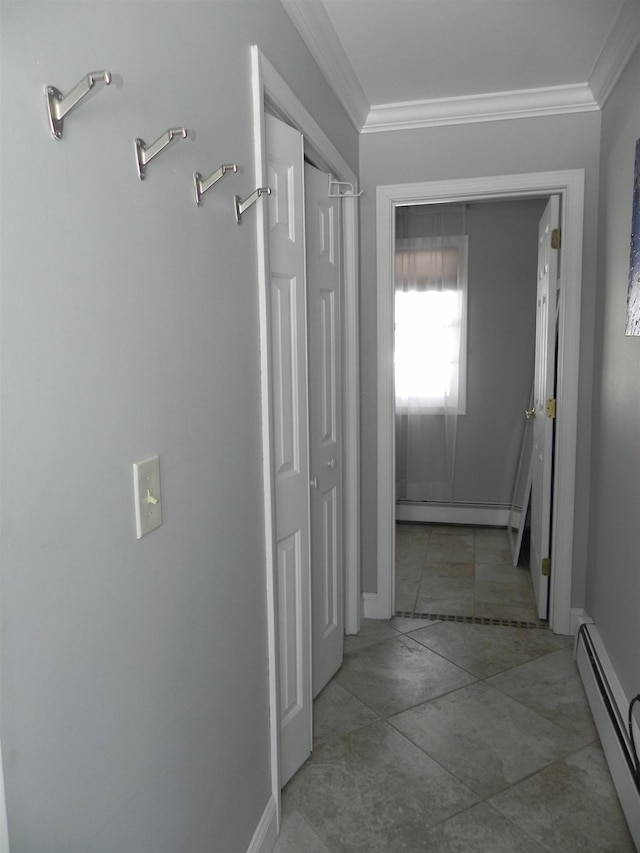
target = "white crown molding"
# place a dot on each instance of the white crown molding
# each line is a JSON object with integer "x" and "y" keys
{"x": 314, "y": 25}
{"x": 621, "y": 42}
{"x": 475, "y": 108}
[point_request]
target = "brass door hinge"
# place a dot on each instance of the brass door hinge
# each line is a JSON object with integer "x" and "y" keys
{"x": 551, "y": 407}
{"x": 546, "y": 567}
{"x": 556, "y": 238}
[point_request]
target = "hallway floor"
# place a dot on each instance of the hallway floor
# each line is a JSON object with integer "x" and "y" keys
{"x": 441, "y": 735}
{"x": 461, "y": 571}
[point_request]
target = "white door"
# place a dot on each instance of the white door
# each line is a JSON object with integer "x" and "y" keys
{"x": 325, "y": 424}
{"x": 290, "y": 430}
{"x": 544, "y": 391}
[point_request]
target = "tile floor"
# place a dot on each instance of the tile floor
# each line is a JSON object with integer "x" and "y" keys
{"x": 450, "y": 736}
{"x": 460, "y": 571}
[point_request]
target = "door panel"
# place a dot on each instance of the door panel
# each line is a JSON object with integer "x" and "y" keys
{"x": 544, "y": 389}
{"x": 325, "y": 419}
{"x": 290, "y": 585}
{"x": 285, "y": 392}
{"x": 290, "y": 430}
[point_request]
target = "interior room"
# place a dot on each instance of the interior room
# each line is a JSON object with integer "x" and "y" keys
{"x": 197, "y": 448}
{"x": 458, "y": 456}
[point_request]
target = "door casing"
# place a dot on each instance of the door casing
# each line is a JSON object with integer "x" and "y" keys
{"x": 569, "y": 185}
{"x": 270, "y": 89}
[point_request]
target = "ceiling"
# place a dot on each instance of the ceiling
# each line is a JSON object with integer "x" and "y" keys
{"x": 413, "y": 63}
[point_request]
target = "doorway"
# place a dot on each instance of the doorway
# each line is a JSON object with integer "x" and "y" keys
{"x": 569, "y": 186}
{"x": 460, "y": 417}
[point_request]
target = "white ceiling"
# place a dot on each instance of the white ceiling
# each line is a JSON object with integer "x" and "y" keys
{"x": 409, "y": 63}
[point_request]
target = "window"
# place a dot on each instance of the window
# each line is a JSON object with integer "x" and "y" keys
{"x": 430, "y": 325}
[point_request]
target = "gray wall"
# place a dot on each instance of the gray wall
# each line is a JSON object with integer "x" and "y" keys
{"x": 475, "y": 150}
{"x": 503, "y": 253}
{"x": 613, "y": 583}
{"x": 134, "y": 713}
{"x": 501, "y": 326}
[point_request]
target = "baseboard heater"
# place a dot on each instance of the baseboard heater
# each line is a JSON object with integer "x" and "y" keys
{"x": 429, "y": 512}
{"x": 609, "y": 707}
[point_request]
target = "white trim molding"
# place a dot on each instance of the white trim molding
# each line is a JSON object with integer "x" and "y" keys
{"x": 370, "y": 606}
{"x": 314, "y": 25}
{"x": 266, "y": 832}
{"x": 578, "y": 618}
{"x": 496, "y": 106}
{"x": 622, "y": 41}
{"x": 569, "y": 185}
{"x": 610, "y": 707}
{"x": 476, "y": 515}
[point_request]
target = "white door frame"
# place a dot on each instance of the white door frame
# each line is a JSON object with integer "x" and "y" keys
{"x": 269, "y": 88}
{"x": 569, "y": 185}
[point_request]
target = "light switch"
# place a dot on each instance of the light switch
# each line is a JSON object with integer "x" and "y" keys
{"x": 146, "y": 488}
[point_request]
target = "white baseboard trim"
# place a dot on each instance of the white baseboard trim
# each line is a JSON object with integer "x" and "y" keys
{"x": 4, "y": 829}
{"x": 489, "y": 516}
{"x": 578, "y": 617}
{"x": 370, "y": 605}
{"x": 264, "y": 838}
{"x": 609, "y": 706}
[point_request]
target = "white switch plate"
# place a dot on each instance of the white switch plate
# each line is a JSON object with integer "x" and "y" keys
{"x": 147, "y": 497}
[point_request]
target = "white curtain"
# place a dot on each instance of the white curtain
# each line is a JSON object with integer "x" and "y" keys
{"x": 430, "y": 309}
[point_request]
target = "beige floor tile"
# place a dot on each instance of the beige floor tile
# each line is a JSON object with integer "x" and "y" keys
{"x": 448, "y": 596}
{"x": 570, "y": 805}
{"x": 397, "y": 674}
{"x": 368, "y": 788}
{"x": 371, "y": 631}
{"x": 455, "y": 553}
{"x": 406, "y": 624}
{"x": 336, "y": 712}
{"x": 551, "y": 687}
{"x": 504, "y": 610}
{"x": 406, "y": 594}
{"x": 514, "y": 593}
{"x": 441, "y": 532}
{"x": 448, "y": 569}
{"x": 480, "y": 829}
{"x": 297, "y": 835}
{"x": 487, "y": 537}
{"x": 503, "y": 573}
{"x": 409, "y": 570}
{"x": 450, "y": 552}
{"x": 484, "y": 738}
{"x": 486, "y": 650}
{"x": 373, "y": 791}
{"x": 497, "y": 556}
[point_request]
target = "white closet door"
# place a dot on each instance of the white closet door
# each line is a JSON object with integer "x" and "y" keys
{"x": 290, "y": 430}
{"x": 325, "y": 424}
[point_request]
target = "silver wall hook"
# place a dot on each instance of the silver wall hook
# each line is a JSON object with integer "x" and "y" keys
{"x": 200, "y": 186}
{"x": 146, "y": 153}
{"x": 58, "y": 105}
{"x": 241, "y": 206}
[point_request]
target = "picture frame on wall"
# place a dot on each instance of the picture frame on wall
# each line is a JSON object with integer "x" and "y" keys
{"x": 633, "y": 297}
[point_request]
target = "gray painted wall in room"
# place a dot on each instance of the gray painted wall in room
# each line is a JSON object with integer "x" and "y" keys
{"x": 502, "y": 260}
{"x": 613, "y": 580}
{"x": 503, "y": 253}
{"x": 474, "y": 150}
{"x": 134, "y": 712}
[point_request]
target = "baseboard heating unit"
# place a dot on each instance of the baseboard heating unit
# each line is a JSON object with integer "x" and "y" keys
{"x": 610, "y": 709}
